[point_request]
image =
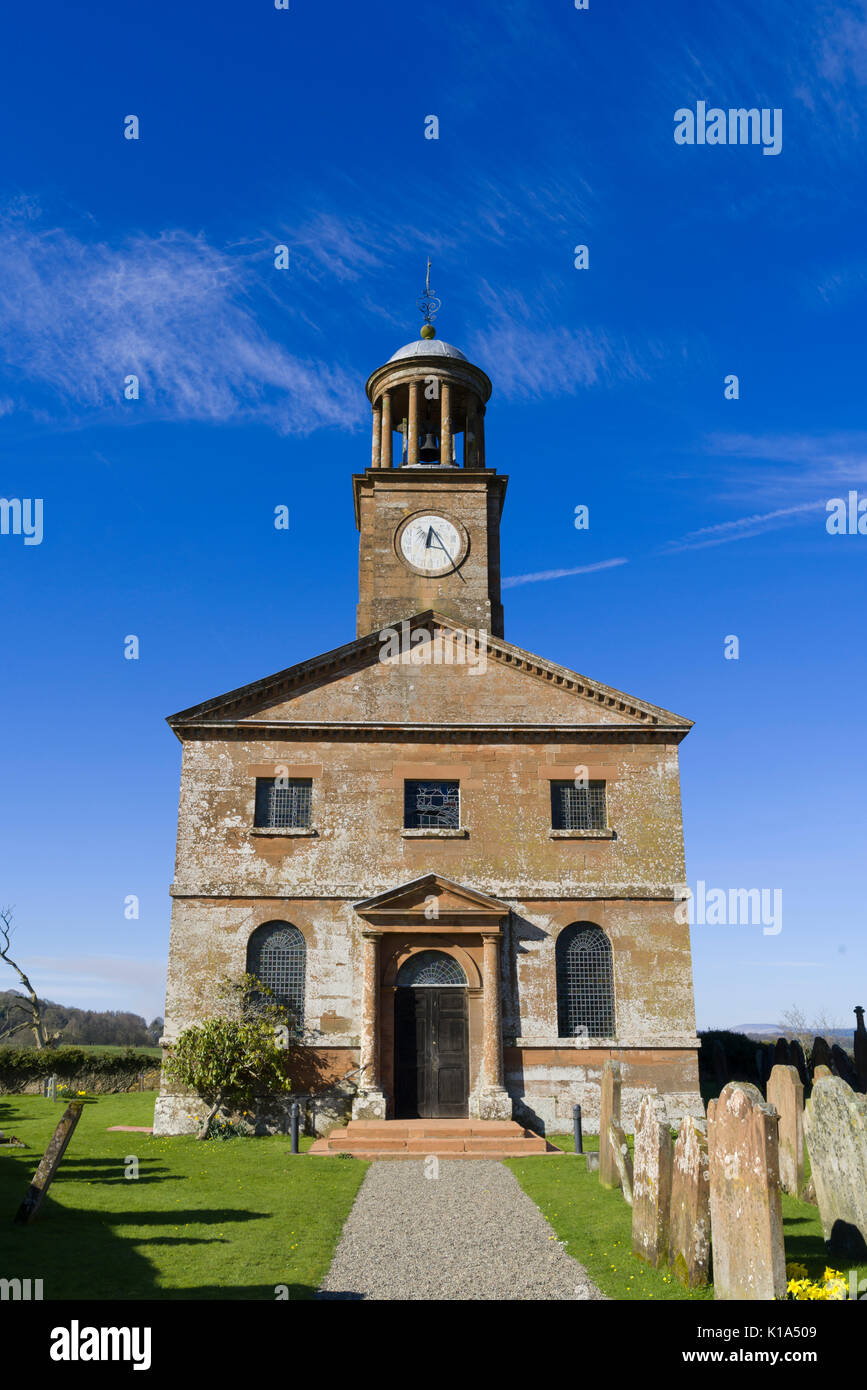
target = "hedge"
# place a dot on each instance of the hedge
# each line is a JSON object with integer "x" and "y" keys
{"x": 21, "y": 1067}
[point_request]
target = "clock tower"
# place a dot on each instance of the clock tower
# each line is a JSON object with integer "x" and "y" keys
{"x": 428, "y": 508}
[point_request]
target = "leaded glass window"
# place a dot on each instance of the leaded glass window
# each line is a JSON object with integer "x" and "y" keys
{"x": 283, "y": 802}
{"x": 585, "y": 982}
{"x": 277, "y": 956}
{"x": 432, "y": 968}
{"x": 578, "y": 808}
{"x": 432, "y": 806}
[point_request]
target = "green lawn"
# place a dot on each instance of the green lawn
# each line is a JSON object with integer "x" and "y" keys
{"x": 215, "y": 1220}
{"x": 596, "y": 1226}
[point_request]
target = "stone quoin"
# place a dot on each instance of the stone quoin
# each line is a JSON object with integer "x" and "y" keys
{"x": 461, "y": 876}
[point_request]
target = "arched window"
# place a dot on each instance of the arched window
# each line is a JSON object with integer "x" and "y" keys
{"x": 585, "y": 982}
{"x": 430, "y": 968}
{"x": 277, "y": 956}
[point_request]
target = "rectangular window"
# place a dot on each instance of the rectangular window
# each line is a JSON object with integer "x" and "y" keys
{"x": 283, "y": 802}
{"x": 578, "y": 808}
{"x": 431, "y": 806}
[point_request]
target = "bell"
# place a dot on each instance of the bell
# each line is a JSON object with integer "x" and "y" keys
{"x": 429, "y": 449}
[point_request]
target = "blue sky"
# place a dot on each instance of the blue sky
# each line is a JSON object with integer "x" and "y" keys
{"x": 306, "y": 127}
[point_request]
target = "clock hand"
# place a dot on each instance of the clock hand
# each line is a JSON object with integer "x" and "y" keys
{"x": 448, "y": 554}
{"x": 433, "y": 533}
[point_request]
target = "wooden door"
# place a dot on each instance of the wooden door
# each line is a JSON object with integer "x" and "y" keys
{"x": 431, "y": 1053}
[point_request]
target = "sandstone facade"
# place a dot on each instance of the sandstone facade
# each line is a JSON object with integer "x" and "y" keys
{"x": 494, "y": 893}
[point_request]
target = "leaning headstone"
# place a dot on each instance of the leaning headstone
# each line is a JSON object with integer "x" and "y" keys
{"x": 860, "y": 1048}
{"x": 745, "y": 1208}
{"x": 720, "y": 1062}
{"x": 835, "y": 1123}
{"x": 761, "y": 1065}
{"x": 651, "y": 1184}
{"x": 689, "y": 1235}
{"x": 781, "y": 1053}
{"x": 609, "y": 1113}
{"x": 29, "y": 1208}
{"x": 786, "y": 1095}
{"x": 844, "y": 1066}
{"x": 820, "y": 1054}
{"x": 799, "y": 1061}
{"x": 620, "y": 1150}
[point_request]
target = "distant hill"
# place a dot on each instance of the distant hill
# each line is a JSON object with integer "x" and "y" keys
{"x": 774, "y": 1031}
{"x": 109, "y": 1027}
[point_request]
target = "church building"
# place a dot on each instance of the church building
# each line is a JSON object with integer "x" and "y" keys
{"x": 458, "y": 863}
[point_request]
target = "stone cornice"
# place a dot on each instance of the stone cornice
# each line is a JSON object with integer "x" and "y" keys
{"x": 414, "y": 479}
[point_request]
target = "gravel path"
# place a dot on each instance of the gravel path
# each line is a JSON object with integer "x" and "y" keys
{"x": 471, "y": 1233}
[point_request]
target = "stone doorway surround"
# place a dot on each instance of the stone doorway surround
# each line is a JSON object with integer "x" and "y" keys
{"x": 428, "y": 913}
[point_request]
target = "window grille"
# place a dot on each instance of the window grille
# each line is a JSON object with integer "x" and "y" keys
{"x": 277, "y": 955}
{"x": 283, "y": 802}
{"x": 578, "y": 808}
{"x": 430, "y": 968}
{"x": 432, "y": 805}
{"x": 585, "y": 983}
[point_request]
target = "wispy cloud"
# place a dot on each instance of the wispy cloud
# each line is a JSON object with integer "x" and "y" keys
{"x": 76, "y": 317}
{"x": 537, "y": 357}
{"x": 742, "y": 527}
{"x": 781, "y": 464}
{"x": 514, "y": 579}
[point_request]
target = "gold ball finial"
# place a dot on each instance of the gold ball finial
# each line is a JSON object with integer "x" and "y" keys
{"x": 428, "y": 330}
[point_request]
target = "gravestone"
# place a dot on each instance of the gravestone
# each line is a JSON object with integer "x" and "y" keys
{"x": 609, "y": 1113}
{"x": 29, "y": 1209}
{"x": 52, "y": 1088}
{"x": 651, "y": 1184}
{"x": 761, "y": 1065}
{"x": 720, "y": 1062}
{"x": 689, "y": 1234}
{"x": 860, "y": 1048}
{"x": 844, "y": 1066}
{"x": 745, "y": 1208}
{"x": 620, "y": 1151}
{"x": 820, "y": 1054}
{"x": 821, "y": 1074}
{"x": 782, "y": 1057}
{"x": 786, "y": 1095}
{"x": 835, "y": 1124}
{"x": 799, "y": 1061}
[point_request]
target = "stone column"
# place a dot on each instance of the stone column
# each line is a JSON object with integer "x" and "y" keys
{"x": 494, "y": 1102}
{"x": 481, "y": 438}
{"x": 369, "y": 1104}
{"x": 385, "y": 456}
{"x": 376, "y": 453}
{"x": 445, "y": 424}
{"x": 413, "y": 423}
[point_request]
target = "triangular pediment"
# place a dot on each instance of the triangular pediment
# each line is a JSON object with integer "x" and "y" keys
{"x": 433, "y": 900}
{"x": 441, "y": 675}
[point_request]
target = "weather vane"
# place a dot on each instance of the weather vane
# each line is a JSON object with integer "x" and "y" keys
{"x": 430, "y": 305}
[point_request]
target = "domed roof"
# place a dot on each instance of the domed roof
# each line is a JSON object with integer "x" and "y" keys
{"x": 427, "y": 347}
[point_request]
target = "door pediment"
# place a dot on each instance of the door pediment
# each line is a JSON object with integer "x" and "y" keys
{"x": 432, "y": 903}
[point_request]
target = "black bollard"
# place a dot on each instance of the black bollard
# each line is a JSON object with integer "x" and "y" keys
{"x": 576, "y": 1127}
{"x": 293, "y": 1125}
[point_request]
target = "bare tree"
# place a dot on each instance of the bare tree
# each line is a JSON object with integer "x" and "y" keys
{"x": 794, "y": 1025}
{"x": 29, "y": 1004}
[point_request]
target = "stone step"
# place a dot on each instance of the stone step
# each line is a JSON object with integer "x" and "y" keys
{"x": 415, "y": 1144}
{"x": 401, "y": 1155}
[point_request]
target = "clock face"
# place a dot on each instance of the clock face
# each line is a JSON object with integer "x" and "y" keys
{"x": 431, "y": 543}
